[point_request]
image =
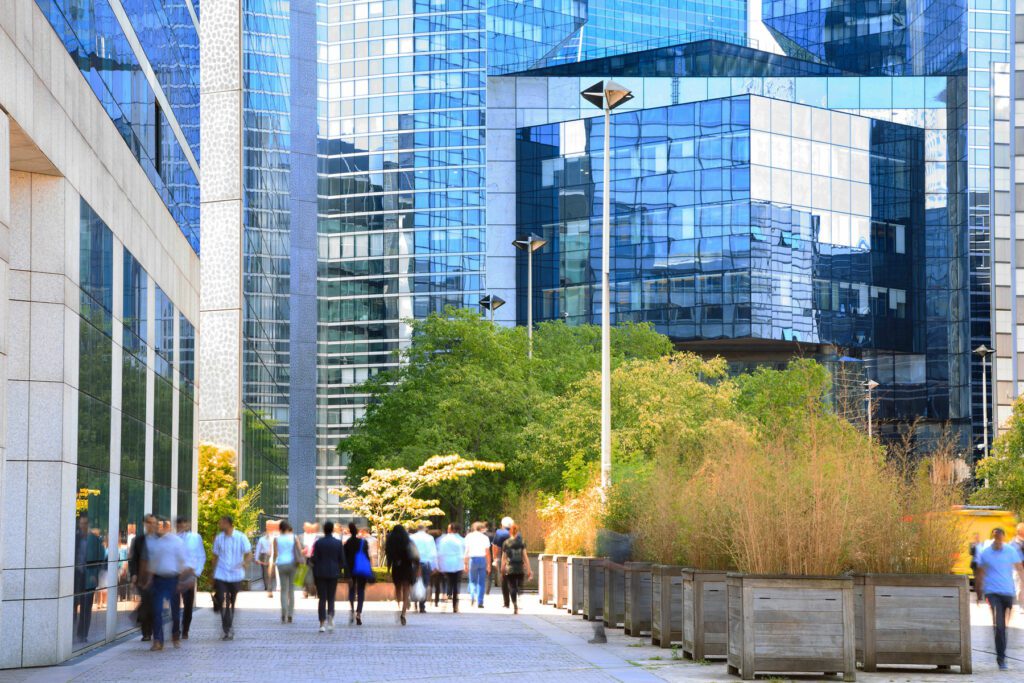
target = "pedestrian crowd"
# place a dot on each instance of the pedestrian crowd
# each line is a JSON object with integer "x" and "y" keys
{"x": 425, "y": 566}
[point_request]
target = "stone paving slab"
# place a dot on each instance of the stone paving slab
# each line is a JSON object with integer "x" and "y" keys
{"x": 541, "y": 644}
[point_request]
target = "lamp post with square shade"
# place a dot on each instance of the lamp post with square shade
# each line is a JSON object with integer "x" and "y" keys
{"x": 492, "y": 303}
{"x": 984, "y": 352}
{"x": 870, "y": 386}
{"x": 529, "y": 244}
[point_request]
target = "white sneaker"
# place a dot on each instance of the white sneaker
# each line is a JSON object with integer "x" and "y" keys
{"x": 322, "y": 629}
{"x": 330, "y": 624}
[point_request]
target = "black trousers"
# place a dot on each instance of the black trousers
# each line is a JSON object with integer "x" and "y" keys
{"x": 325, "y": 589}
{"x": 357, "y": 593}
{"x": 227, "y": 592}
{"x": 453, "y": 580}
{"x": 512, "y": 584}
{"x": 83, "y": 615}
{"x": 145, "y": 613}
{"x": 1001, "y": 605}
{"x": 437, "y": 581}
{"x": 188, "y": 602}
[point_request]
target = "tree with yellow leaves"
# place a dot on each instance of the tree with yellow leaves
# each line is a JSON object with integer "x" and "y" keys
{"x": 388, "y": 497}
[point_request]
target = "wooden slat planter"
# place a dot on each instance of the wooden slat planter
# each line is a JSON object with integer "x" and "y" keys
{"x": 666, "y": 605}
{"x": 638, "y": 599}
{"x": 574, "y": 593}
{"x": 705, "y": 621}
{"x": 913, "y": 619}
{"x": 790, "y": 625}
{"x": 561, "y": 581}
{"x": 544, "y": 585}
{"x": 614, "y": 595}
{"x": 593, "y": 588}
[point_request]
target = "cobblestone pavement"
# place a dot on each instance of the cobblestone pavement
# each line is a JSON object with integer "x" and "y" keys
{"x": 541, "y": 644}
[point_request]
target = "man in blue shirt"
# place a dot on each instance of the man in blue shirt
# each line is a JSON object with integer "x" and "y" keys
{"x": 993, "y": 578}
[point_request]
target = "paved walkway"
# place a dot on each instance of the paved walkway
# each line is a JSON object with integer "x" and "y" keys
{"x": 541, "y": 644}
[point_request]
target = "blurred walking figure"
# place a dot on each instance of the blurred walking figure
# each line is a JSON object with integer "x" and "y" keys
{"x": 993, "y": 578}
{"x": 287, "y": 556}
{"x": 328, "y": 558}
{"x": 402, "y": 559}
{"x": 515, "y": 564}
{"x": 426, "y": 548}
{"x": 360, "y": 569}
{"x": 89, "y": 557}
{"x": 310, "y": 535}
{"x": 195, "y": 558}
{"x": 167, "y": 563}
{"x": 437, "y": 579}
{"x": 138, "y": 561}
{"x": 232, "y": 553}
{"x": 265, "y": 558}
{"x": 500, "y": 536}
{"x": 451, "y": 554}
{"x": 478, "y": 563}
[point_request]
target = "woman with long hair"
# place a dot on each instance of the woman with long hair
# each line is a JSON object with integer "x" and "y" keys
{"x": 288, "y": 556}
{"x": 402, "y": 559}
{"x": 357, "y": 559}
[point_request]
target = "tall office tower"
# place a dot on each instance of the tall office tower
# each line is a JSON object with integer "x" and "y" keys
{"x": 99, "y": 294}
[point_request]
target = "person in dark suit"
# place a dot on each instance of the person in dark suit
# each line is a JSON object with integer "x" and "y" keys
{"x": 89, "y": 558}
{"x": 138, "y": 570}
{"x": 328, "y": 559}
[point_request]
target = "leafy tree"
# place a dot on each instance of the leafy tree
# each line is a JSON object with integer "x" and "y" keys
{"x": 466, "y": 386}
{"x": 1003, "y": 469}
{"x": 388, "y": 497}
{"x": 220, "y": 493}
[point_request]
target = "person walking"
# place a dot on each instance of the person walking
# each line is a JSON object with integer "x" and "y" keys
{"x": 426, "y": 548}
{"x": 310, "y": 535}
{"x": 195, "y": 558}
{"x": 515, "y": 564}
{"x": 265, "y": 558}
{"x": 500, "y": 536}
{"x": 402, "y": 559}
{"x": 232, "y": 553}
{"x": 993, "y": 578}
{"x": 478, "y": 563}
{"x": 168, "y": 565}
{"x": 1018, "y": 543}
{"x": 89, "y": 557}
{"x": 437, "y": 579}
{"x": 287, "y": 556}
{"x": 328, "y": 558}
{"x": 360, "y": 569}
{"x": 451, "y": 553}
{"x": 138, "y": 561}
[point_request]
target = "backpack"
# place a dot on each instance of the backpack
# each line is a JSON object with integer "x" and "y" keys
{"x": 514, "y": 549}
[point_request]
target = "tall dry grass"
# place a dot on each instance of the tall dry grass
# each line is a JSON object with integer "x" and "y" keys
{"x": 572, "y": 521}
{"x": 524, "y": 508}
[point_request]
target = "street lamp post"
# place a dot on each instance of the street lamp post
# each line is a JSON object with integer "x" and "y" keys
{"x": 606, "y": 96}
{"x": 491, "y": 302}
{"x": 870, "y": 386}
{"x": 984, "y": 352}
{"x": 529, "y": 244}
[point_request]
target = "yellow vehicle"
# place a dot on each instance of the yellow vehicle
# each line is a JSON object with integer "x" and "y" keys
{"x": 978, "y": 523}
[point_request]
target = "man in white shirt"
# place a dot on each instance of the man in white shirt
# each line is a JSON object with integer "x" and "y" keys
{"x": 167, "y": 564}
{"x": 232, "y": 553}
{"x": 265, "y": 559}
{"x": 195, "y": 559}
{"x": 478, "y": 563}
{"x": 427, "y": 548}
{"x": 451, "y": 553}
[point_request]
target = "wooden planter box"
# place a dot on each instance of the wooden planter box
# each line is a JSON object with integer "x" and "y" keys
{"x": 613, "y": 614}
{"x": 705, "y": 622}
{"x": 913, "y": 619}
{"x": 545, "y": 576}
{"x": 789, "y": 624}
{"x": 561, "y": 581}
{"x": 639, "y": 598}
{"x": 593, "y": 588}
{"x": 666, "y": 605}
{"x": 574, "y": 591}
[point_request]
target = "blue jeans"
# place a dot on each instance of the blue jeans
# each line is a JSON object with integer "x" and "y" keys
{"x": 477, "y": 579}
{"x": 165, "y": 588}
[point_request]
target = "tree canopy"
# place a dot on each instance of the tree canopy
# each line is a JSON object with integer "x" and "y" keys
{"x": 1003, "y": 469}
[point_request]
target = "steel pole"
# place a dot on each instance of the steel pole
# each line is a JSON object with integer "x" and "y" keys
{"x": 984, "y": 404}
{"x": 529, "y": 299}
{"x": 869, "y": 415}
{"x": 606, "y": 335}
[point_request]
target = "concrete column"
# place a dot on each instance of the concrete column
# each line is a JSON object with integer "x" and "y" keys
{"x": 5, "y": 218}
{"x": 219, "y": 336}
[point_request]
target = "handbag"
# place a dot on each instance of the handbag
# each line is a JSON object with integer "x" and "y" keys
{"x": 419, "y": 591}
{"x": 361, "y": 566}
{"x": 300, "y": 575}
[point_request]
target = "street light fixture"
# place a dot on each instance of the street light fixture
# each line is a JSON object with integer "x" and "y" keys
{"x": 870, "y": 386}
{"x": 529, "y": 244}
{"x": 606, "y": 95}
{"x": 492, "y": 303}
{"x": 984, "y": 352}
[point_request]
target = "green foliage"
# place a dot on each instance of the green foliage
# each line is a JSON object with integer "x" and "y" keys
{"x": 778, "y": 401}
{"x": 466, "y": 386}
{"x": 220, "y": 493}
{"x": 1003, "y": 469}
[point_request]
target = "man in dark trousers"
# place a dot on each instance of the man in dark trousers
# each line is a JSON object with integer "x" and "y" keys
{"x": 138, "y": 571}
{"x": 89, "y": 558}
{"x": 328, "y": 558}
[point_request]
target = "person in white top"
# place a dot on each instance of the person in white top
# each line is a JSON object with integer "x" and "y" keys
{"x": 167, "y": 563}
{"x": 427, "y": 548}
{"x": 265, "y": 558}
{"x": 195, "y": 558}
{"x": 451, "y": 554}
{"x": 232, "y": 553}
{"x": 478, "y": 563}
{"x": 288, "y": 556}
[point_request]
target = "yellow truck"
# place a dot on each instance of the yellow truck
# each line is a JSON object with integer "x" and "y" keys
{"x": 978, "y": 523}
